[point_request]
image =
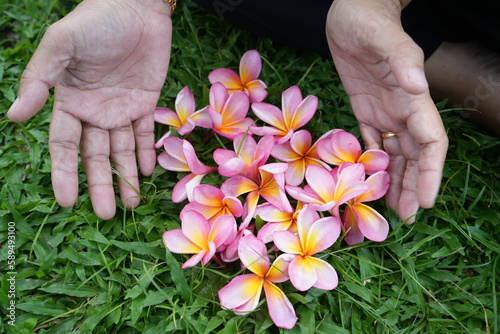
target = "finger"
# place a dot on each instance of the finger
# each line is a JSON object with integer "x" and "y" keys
{"x": 41, "y": 74}
{"x": 64, "y": 138}
{"x": 95, "y": 158}
{"x": 123, "y": 156}
{"x": 371, "y": 137}
{"x": 145, "y": 141}
{"x": 433, "y": 145}
{"x": 408, "y": 201}
{"x": 406, "y": 60}
{"x": 396, "y": 170}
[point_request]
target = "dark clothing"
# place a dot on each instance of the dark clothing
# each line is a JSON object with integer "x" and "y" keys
{"x": 302, "y": 23}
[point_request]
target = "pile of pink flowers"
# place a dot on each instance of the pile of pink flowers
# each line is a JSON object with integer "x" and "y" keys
{"x": 269, "y": 168}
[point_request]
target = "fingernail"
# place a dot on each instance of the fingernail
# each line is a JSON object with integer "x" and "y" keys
{"x": 417, "y": 76}
{"x": 13, "y": 106}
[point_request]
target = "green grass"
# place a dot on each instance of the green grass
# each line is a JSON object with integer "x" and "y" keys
{"x": 76, "y": 273}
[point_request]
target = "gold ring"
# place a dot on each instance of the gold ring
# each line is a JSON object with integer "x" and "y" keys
{"x": 388, "y": 135}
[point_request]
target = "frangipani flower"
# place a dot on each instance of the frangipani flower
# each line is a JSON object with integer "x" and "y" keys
{"x": 271, "y": 186}
{"x": 246, "y": 158}
{"x": 197, "y": 236}
{"x": 361, "y": 220}
{"x": 228, "y": 113}
{"x": 250, "y": 67}
{"x": 343, "y": 146}
{"x": 298, "y": 153}
{"x": 314, "y": 235}
{"x": 277, "y": 219}
{"x": 184, "y": 119}
{"x": 325, "y": 190}
{"x": 179, "y": 156}
{"x": 242, "y": 294}
{"x": 211, "y": 202}
{"x": 296, "y": 113}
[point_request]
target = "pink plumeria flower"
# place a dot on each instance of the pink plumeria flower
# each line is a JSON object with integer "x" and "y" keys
{"x": 299, "y": 153}
{"x": 197, "y": 236}
{"x": 326, "y": 191}
{"x": 343, "y": 146}
{"x": 211, "y": 202}
{"x": 271, "y": 186}
{"x": 295, "y": 114}
{"x": 184, "y": 119}
{"x": 179, "y": 156}
{"x": 246, "y": 158}
{"x": 361, "y": 220}
{"x": 228, "y": 113}
{"x": 247, "y": 81}
{"x": 278, "y": 220}
{"x": 242, "y": 294}
{"x": 314, "y": 235}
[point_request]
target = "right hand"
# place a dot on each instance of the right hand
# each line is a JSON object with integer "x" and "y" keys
{"x": 382, "y": 70}
{"x": 108, "y": 61}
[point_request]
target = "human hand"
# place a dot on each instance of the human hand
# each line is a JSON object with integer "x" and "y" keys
{"x": 107, "y": 61}
{"x": 382, "y": 71}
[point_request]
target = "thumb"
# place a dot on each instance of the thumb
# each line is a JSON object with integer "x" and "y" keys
{"x": 406, "y": 60}
{"x": 41, "y": 74}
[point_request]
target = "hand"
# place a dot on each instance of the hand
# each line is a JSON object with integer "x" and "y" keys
{"x": 382, "y": 71}
{"x": 107, "y": 61}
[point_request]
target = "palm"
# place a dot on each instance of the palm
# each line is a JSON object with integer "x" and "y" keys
{"x": 108, "y": 66}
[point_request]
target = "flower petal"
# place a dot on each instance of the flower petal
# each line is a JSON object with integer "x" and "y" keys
{"x": 301, "y": 142}
{"x": 250, "y": 66}
{"x": 202, "y": 118}
{"x": 266, "y": 232}
{"x": 280, "y": 309}
{"x": 287, "y": 242}
{"x": 327, "y": 276}
{"x": 349, "y": 184}
{"x": 278, "y": 272}
{"x": 304, "y": 112}
{"x": 236, "y": 108}
{"x": 185, "y": 187}
{"x": 253, "y": 255}
{"x": 238, "y": 185}
{"x": 184, "y": 104}
{"x": 195, "y": 165}
{"x": 256, "y": 91}
{"x": 353, "y": 234}
{"x": 177, "y": 242}
{"x": 196, "y": 228}
{"x": 302, "y": 195}
{"x": 218, "y": 96}
{"x": 208, "y": 195}
{"x": 169, "y": 162}
{"x": 302, "y": 273}
{"x": 270, "y": 114}
{"x": 374, "y": 161}
{"x": 379, "y": 184}
{"x": 195, "y": 259}
{"x": 290, "y": 100}
{"x": 284, "y": 152}
{"x": 226, "y": 77}
{"x": 167, "y": 116}
{"x": 243, "y": 293}
{"x": 322, "y": 235}
{"x": 233, "y": 204}
{"x": 321, "y": 182}
{"x": 371, "y": 223}
{"x": 296, "y": 172}
{"x": 222, "y": 228}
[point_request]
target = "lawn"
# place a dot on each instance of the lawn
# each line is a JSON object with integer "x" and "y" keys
{"x": 64, "y": 270}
